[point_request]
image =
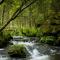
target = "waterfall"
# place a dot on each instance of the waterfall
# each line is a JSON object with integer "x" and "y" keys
{"x": 32, "y": 50}
{"x": 35, "y": 53}
{"x": 29, "y": 51}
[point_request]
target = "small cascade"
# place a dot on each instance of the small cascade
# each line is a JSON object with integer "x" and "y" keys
{"x": 30, "y": 47}
{"x": 35, "y": 53}
{"x": 21, "y": 42}
{"x": 29, "y": 51}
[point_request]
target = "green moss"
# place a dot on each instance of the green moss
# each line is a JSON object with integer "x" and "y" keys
{"x": 17, "y": 51}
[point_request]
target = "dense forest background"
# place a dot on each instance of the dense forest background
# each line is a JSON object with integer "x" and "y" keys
{"x": 38, "y": 18}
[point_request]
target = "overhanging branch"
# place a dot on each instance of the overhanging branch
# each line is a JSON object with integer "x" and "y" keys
{"x": 18, "y": 11}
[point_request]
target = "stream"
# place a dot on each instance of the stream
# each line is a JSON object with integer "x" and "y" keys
{"x": 37, "y": 51}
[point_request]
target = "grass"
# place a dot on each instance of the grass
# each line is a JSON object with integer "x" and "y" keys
{"x": 30, "y": 32}
{"x": 17, "y": 51}
{"x": 48, "y": 40}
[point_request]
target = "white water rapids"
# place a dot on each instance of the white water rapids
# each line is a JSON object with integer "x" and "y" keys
{"x": 34, "y": 52}
{"x": 37, "y": 52}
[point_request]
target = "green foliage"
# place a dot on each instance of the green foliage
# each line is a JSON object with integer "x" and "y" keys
{"x": 48, "y": 39}
{"x": 31, "y": 32}
{"x": 42, "y": 16}
{"x": 17, "y": 51}
{"x": 39, "y": 32}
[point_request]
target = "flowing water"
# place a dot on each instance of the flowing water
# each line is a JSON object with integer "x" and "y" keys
{"x": 37, "y": 52}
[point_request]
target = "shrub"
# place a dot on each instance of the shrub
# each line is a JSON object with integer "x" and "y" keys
{"x": 30, "y": 32}
{"x": 17, "y": 51}
{"x": 39, "y": 32}
{"x": 48, "y": 39}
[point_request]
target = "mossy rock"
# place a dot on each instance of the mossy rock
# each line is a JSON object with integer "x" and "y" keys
{"x": 17, "y": 51}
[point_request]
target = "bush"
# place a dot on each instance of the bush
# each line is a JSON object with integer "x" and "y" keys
{"x": 30, "y": 32}
{"x": 17, "y": 51}
{"x": 48, "y": 39}
{"x": 39, "y": 32}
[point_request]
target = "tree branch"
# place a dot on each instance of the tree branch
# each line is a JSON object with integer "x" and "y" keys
{"x": 18, "y": 11}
